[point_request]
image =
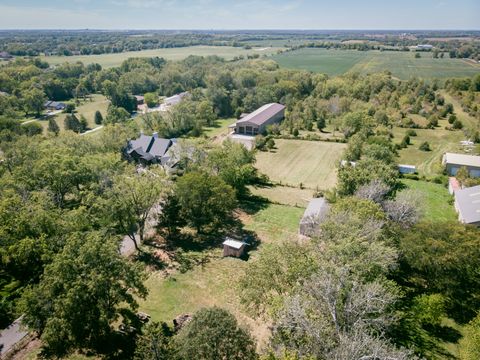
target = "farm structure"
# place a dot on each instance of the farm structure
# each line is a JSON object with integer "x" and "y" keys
{"x": 316, "y": 210}
{"x": 233, "y": 248}
{"x": 467, "y": 205}
{"x": 256, "y": 122}
{"x": 453, "y": 163}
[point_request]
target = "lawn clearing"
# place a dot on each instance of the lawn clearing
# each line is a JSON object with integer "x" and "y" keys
{"x": 87, "y": 108}
{"x": 294, "y": 162}
{"x": 220, "y": 128}
{"x": 437, "y": 202}
{"x": 402, "y": 65}
{"x": 179, "y": 53}
{"x": 428, "y": 163}
{"x": 214, "y": 283}
{"x": 283, "y": 194}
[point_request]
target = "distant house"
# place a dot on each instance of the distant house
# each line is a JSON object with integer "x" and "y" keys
{"x": 256, "y": 122}
{"x": 175, "y": 99}
{"x": 5, "y": 55}
{"x": 140, "y": 99}
{"x": 233, "y": 248}
{"x": 54, "y": 105}
{"x": 148, "y": 149}
{"x": 467, "y": 205}
{"x": 316, "y": 211}
{"x": 453, "y": 163}
{"x": 407, "y": 169}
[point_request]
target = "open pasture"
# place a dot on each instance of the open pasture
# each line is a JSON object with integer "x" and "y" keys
{"x": 180, "y": 53}
{"x": 402, "y": 65}
{"x": 294, "y": 162}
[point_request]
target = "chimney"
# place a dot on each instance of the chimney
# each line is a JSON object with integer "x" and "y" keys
{"x": 155, "y": 135}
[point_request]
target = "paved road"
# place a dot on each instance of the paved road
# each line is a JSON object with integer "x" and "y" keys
{"x": 10, "y": 336}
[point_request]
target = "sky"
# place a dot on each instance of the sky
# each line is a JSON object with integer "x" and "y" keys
{"x": 240, "y": 14}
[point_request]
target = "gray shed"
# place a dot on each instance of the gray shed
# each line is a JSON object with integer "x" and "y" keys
{"x": 316, "y": 210}
{"x": 233, "y": 248}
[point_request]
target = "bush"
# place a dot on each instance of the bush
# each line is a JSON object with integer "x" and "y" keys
{"x": 457, "y": 124}
{"x": 425, "y": 146}
{"x": 411, "y": 132}
{"x": 452, "y": 118}
{"x": 32, "y": 129}
{"x": 98, "y": 117}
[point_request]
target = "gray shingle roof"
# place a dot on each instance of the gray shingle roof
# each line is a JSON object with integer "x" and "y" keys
{"x": 149, "y": 147}
{"x": 262, "y": 114}
{"x": 468, "y": 204}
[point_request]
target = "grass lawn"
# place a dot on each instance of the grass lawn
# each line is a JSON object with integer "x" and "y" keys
{"x": 112, "y": 60}
{"x": 87, "y": 108}
{"x": 284, "y": 195}
{"x": 312, "y": 163}
{"x": 437, "y": 200}
{"x": 220, "y": 128}
{"x": 213, "y": 283}
{"x": 428, "y": 163}
{"x": 402, "y": 65}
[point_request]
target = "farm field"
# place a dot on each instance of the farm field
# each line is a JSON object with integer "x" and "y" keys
{"x": 112, "y": 60}
{"x": 437, "y": 200}
{"x": 402, "y": 65}
{"x": 294, "y": 162}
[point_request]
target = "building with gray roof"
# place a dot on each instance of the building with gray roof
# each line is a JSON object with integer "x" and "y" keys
{"x": 467, "y": 205}
{"x": 316, "y": 211}
{"x": 256, "y": 122}
{"x": 453, "y": 162}
{"x": 148, "y": 149}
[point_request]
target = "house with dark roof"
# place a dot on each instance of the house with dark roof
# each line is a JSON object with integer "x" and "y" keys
{"x": 256, "y": 122}
{"x": 148, "y": 149}
{"x": 467, "y": 205}
{"x": 54, "y": 105}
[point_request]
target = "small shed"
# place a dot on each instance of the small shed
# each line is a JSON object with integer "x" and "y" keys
{"x": 316, "y": 210}
{"x": 233, "y": 248}
{"x": 407, "y": 169}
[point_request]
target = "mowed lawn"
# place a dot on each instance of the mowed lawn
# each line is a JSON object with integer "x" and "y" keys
{"x": 112, "y": 60}
{"x": 87, "y": 108}
{"x": 214, "y": 283}
{"x": 310, "y": 163}
{"x": 428, "y": 163}
{"x": 437, "y": 201}
{"x": 402, "y": 65}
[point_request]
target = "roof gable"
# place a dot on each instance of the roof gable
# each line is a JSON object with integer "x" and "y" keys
{"x": 262, "y": 114}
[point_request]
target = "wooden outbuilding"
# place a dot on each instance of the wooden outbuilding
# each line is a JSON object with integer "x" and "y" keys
{"x": 233, "y": 248}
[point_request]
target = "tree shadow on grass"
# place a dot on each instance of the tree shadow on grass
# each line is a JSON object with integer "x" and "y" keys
{"x": 252, "y": 204}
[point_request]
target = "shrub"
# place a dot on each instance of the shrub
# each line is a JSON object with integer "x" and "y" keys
{"x": 411, "y": 132}
{"x": 457, "y": 124}
{"x": 425, "y": 146}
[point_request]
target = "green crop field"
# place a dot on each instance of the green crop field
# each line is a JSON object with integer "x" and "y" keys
{"x": 294, "y": 162}
{"x": 112, "y": 60}
{"x": 403, "y": 65}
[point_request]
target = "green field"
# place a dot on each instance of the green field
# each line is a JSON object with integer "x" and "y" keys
{"x": 112, "y": 60}
{"x": 402, "y": 65}
{"x": 436, "y": 200}
{"x": 294, "y": 162}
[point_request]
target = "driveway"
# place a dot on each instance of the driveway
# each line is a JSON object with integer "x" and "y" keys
{"x": 10, "y": 336}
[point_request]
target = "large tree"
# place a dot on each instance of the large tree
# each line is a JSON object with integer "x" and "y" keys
{"x": 205, "y": 200}
{"x": 215, "y": 334}
{"x": 130, "y": 200}
{"x": 80, "y": 294}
